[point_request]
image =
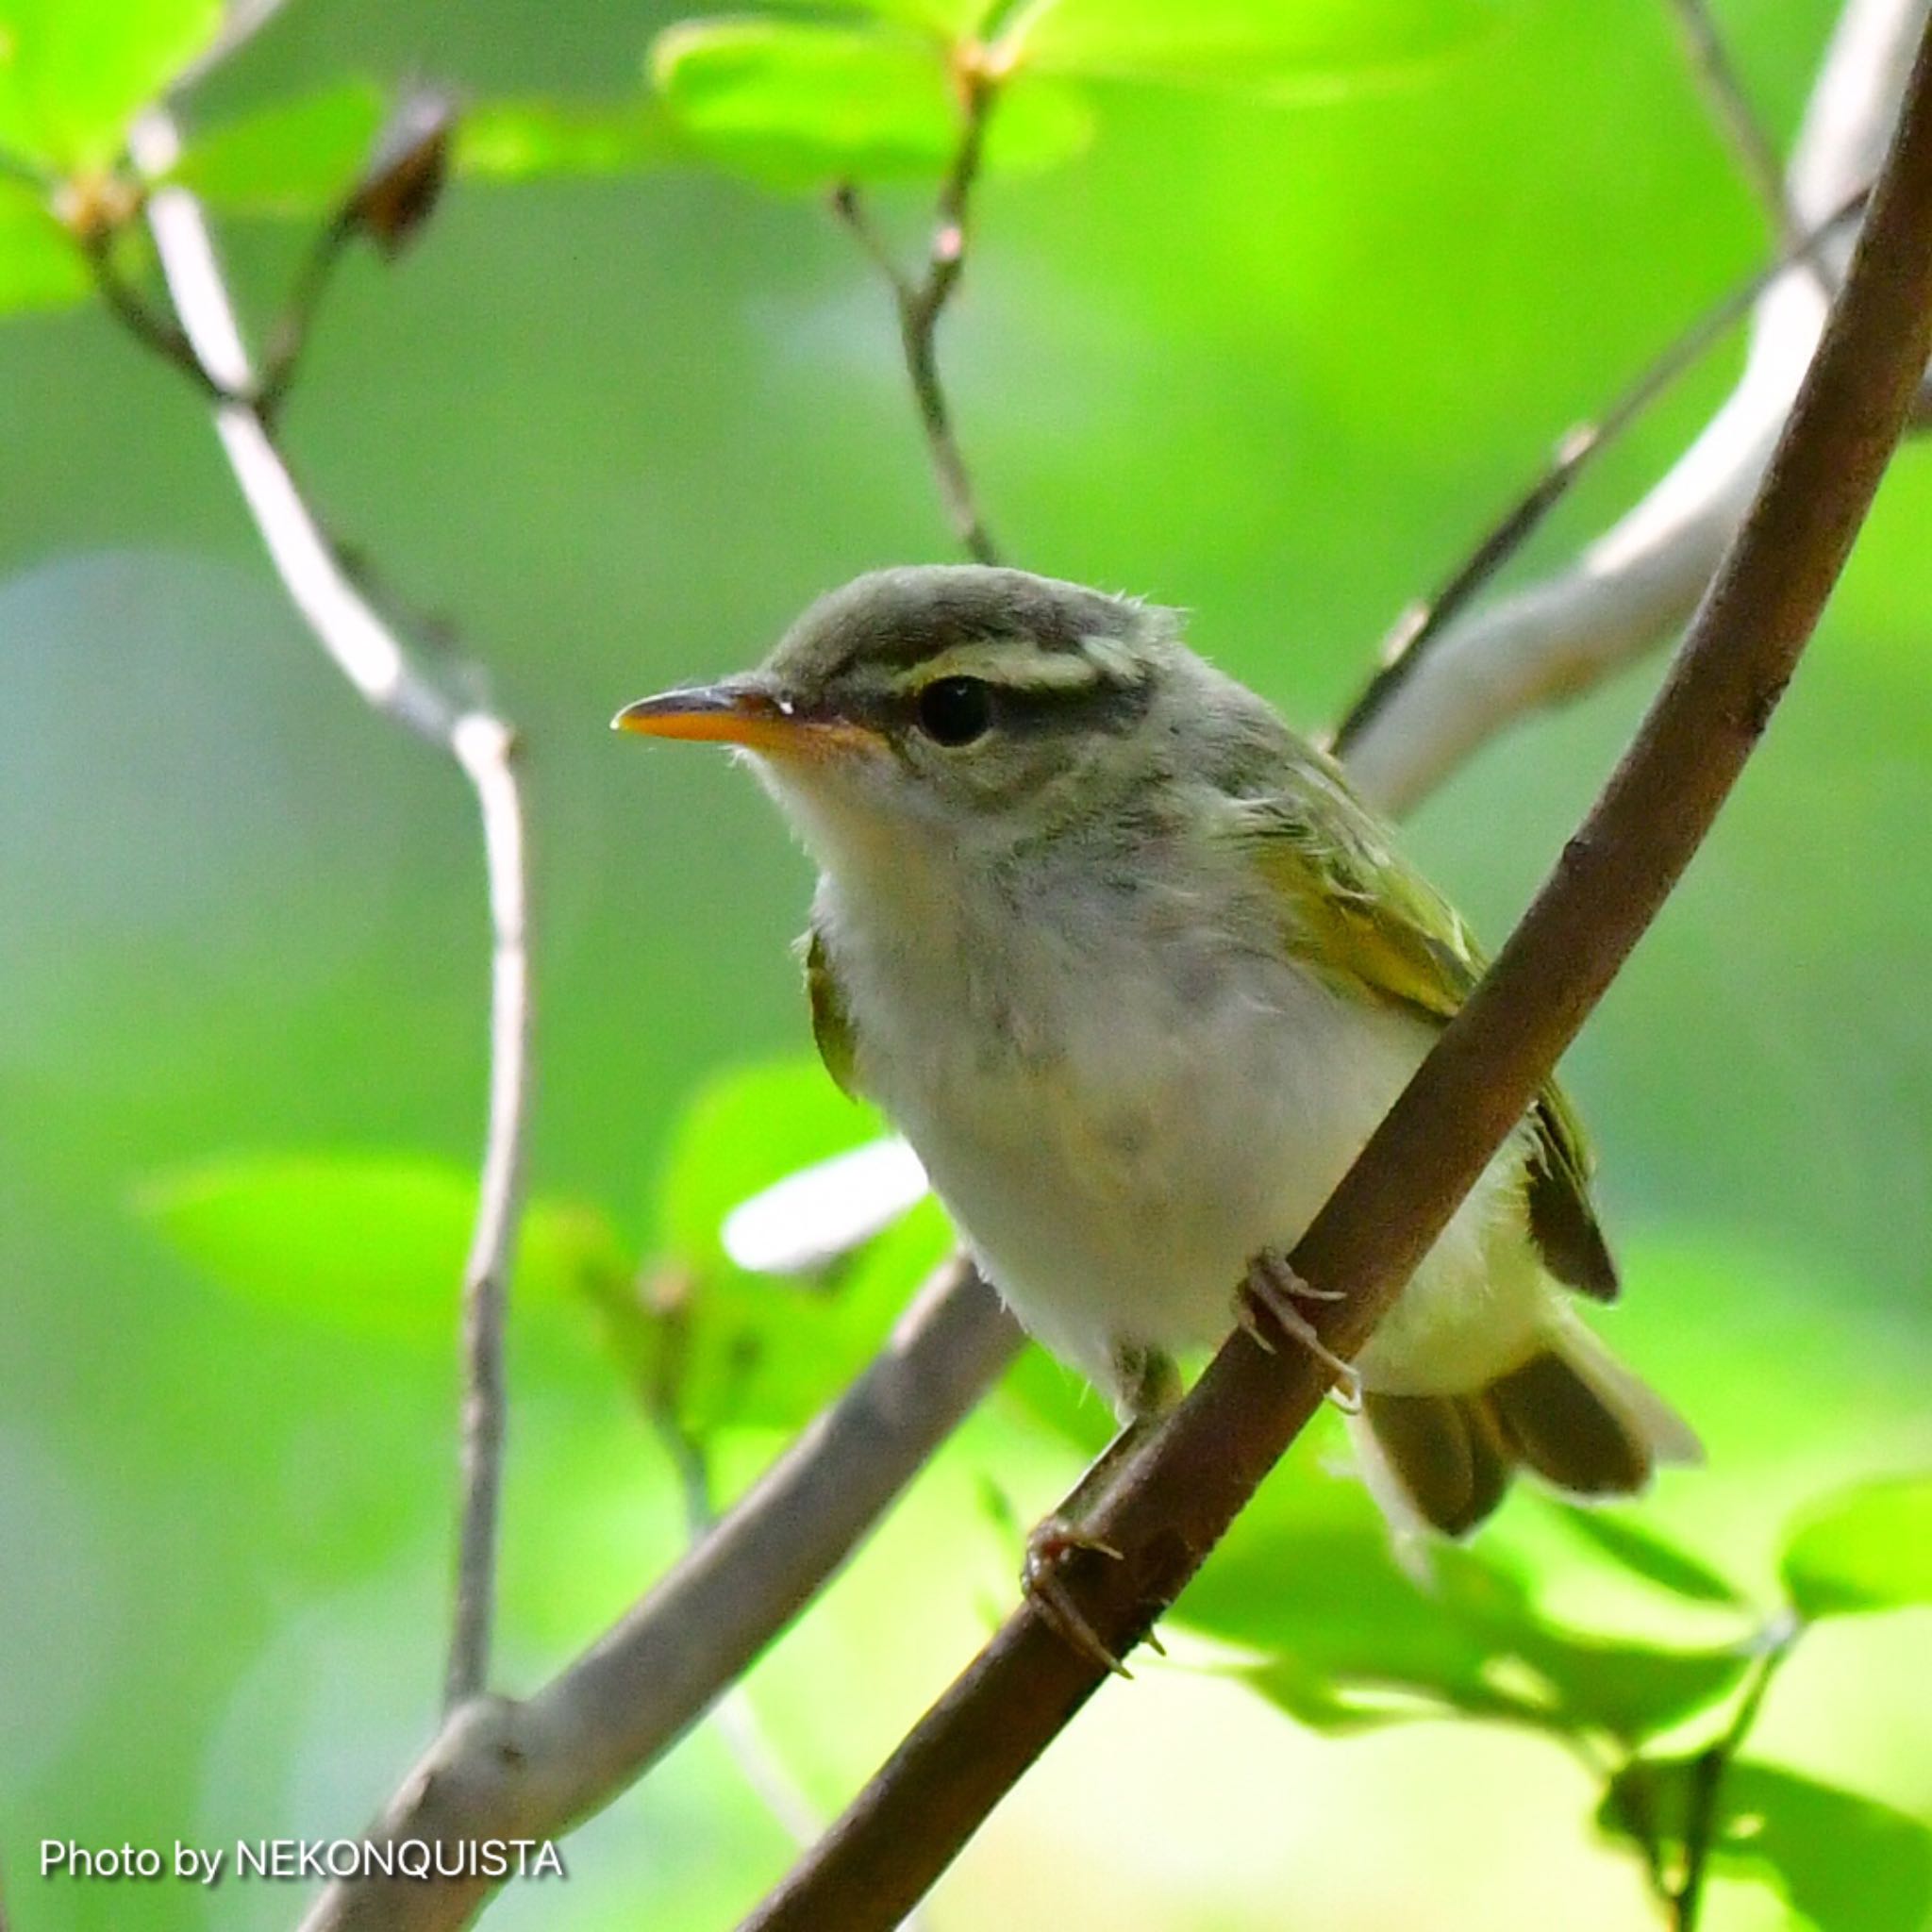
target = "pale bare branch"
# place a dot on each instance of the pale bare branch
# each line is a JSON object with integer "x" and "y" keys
{"x": 375, "y": 660}
{"x": 532, "y": 1769}
{"x": 1420, "y": 628}
{"x": 1637, "y": 583}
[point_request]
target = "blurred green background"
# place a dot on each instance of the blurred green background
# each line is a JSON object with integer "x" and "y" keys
{"x": 1274, "y": 364}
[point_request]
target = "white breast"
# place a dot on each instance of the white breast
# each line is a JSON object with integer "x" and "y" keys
{"x": 1120, "y": 1101}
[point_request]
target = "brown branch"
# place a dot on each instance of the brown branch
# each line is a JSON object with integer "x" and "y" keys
{"x": 1731, "y": 108}
{"x": 1175, "y": 1501}
{"x": 920, "y": 304}
{"x": 370, "y": 655}
{"x": 1414, "y": 633}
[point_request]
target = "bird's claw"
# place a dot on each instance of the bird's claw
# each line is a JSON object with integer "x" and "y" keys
{"x": 1047, "y": 1548}
{"x": 1273, "y": 1284}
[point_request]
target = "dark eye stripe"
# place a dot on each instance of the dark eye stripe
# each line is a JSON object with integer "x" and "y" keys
{"x": 1025, "y": 711}
{"x": 1101, "y": 705}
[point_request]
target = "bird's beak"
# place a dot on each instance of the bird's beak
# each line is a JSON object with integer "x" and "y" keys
{"x": 742, "y": 711}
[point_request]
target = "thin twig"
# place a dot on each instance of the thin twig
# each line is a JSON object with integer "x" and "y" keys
{"x": 1631, "y": 1803}
{"x": 1703, "y": 1816}
{"x": 920, "y": 304}
{"x": 735, "y": 1717}
{"x": 1411, "y": 636}
{"x": 1731, "y": 108}
{"x": 158, "y": 333}
{"x": 1637, "y": 582}
{"x": 1175, "y": 1502}
{"x": 282, "y": 360}
{"x": 659, "y": 1368}
{"x": 374, "y": 659}
{"x": 485, "y": 747}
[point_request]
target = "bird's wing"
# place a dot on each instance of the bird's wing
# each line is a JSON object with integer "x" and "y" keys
{"x": 831, "y": 1018}
{"x": 1356, "y": 912}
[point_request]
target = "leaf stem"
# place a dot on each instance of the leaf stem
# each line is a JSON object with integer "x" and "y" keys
{"x": 1704, "y": 1815}
{"x": 154, "y": 331}
{"x": 289, "y": 338}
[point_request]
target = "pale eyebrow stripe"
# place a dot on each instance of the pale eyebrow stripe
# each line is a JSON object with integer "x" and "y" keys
{"x": 1017, "y": 664}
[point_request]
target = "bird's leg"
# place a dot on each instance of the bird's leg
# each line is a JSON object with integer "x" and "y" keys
{"x": 1273, "y": 1283}
{"x": 1149, "y": 1386}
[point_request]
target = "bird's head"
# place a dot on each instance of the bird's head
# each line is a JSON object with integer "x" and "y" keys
{"x": 990, "y": 706}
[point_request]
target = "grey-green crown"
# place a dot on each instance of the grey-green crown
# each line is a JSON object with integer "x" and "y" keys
{"x": 905, "y": 619}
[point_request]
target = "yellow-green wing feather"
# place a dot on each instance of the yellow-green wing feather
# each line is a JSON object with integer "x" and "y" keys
{"x": 831, "y": 1019}
{"x": 1357, "y": 914}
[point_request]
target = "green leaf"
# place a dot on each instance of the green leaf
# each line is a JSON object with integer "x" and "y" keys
{"x": 1650, "y": 1556}
{"x": 292, "y": 157}
{"x": 519, "y": 141}
{"x": 74, "y": 74}
{"x": 768, "y": 1354}
{"x": 802, "y": 104}
{"x": 1308, "y": 1569}
{"x": 1356, "y": 1644}
{"x": 1844, "y": 1863}
{"x": 40, "y": 266}
{"x": 763, "y": 1351}
{"x": 1630, "y": 1690}
{"x": 744, "y": 1129}
{"x": 1308, "y": 1573}
{"x": 370, "y": 1242}
{"x": 303, "y": 156}
{"x": 953, "y": 20}
{"x": 1867, "y": 1548}
{"x": 1276, "y": 47}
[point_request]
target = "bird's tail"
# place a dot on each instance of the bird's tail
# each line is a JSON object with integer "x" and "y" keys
{"x": 1572, "y": 1413}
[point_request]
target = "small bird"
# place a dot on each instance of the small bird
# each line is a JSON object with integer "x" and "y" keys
{"x": 1137, "y": 974}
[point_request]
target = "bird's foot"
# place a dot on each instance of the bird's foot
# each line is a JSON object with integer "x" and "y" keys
{"x": 1275, "y": 1285}
{"x": 1052, "y": 1543}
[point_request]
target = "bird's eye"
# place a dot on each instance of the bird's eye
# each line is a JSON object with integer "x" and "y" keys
{"x": 954, "y": 710}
